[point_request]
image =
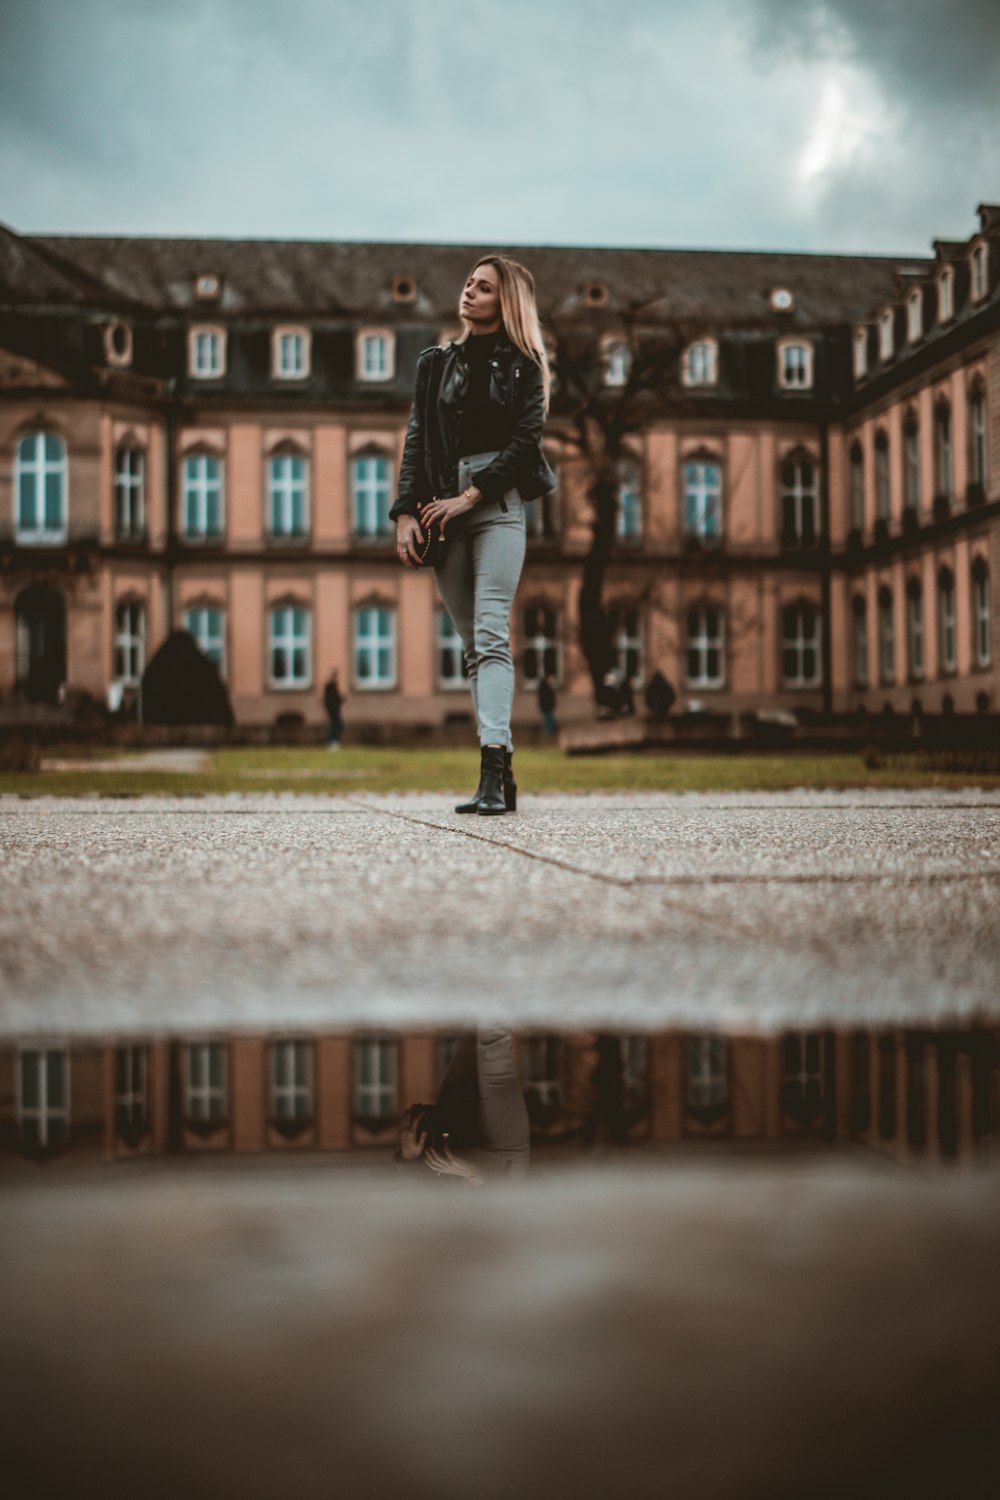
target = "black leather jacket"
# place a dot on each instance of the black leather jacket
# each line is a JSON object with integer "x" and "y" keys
{"x": 430, "y": 458}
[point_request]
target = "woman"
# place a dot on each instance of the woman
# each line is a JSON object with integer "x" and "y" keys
{"x": 478, "y": 1129}
{"x": 472, "y": 459}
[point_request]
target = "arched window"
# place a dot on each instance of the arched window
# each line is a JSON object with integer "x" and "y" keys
{"x": 541, "y": 645}
{"x": 452, "y": 669}
{"x": 700, "y": 363}
{"x": 946, "y": 295}
{"x": 206, "y": 1086}
{"x": 886, "y": 637}
{"x": 287, "y": 494}
{"x": 800, "y": 645}
{"x": 799, "y": 501}
{"x": 946, "y": 620}
{"x": 943, "y": 468}
{"x": 704, "y": 646}
{"x": 977, "y": 439}
{"x": 289, "y": 651}
{"x": 626, "y": 636}
{"x": 702, "y": 481}
{"x": 374, "y": 647}
{"x": 40, "y": 488}
{"x": 617, "y": 358}
{"x": 859, "y": 620}
{"x": 980, "y": 278}
{"x": 371, "y": 495}
{"x": 130, "y": 491}
{"x": 207, "y": 624}
{"x": 860, "y": 353}
{"x": 201, "y": 496}
{"x": 628, "y": 511}
{"x": 982, "y": 624}
{"x": 883, "y": 498}
{"x": 886, "y": 334}
{"x": 911, "y": 462}
{"x": 857, "y": 487}
{"x": 915, "y": 628}
{"x": 915, "y": 315}
{"x": 130, "y": 642}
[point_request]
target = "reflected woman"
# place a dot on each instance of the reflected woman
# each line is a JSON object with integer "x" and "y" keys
{"x": 478, "y": 1130}
{"x": 471, "y": 461}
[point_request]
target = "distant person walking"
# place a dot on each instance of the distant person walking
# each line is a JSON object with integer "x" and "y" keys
{"x": 333, "y": 702}
{"x": 547, "y": 704}
{"x": 472, "y": 457}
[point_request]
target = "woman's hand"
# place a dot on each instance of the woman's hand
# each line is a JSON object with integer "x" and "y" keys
{"x": 445, "y": 1163}
{"x": 443, "y": 510}
{"x": 412, "y": 1139}
{"x": 408, "y": 536}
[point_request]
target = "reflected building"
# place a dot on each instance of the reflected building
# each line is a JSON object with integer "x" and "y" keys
{"x": 923, "y": 1098}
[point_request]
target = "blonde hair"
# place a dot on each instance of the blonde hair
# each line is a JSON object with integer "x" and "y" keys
{"x": 519, "y": 313}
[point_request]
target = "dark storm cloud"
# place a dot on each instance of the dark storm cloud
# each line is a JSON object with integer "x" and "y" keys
{"x": 927, "y": 53}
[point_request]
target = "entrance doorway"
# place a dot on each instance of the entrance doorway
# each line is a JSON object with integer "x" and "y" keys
{"x": 40, "y": 624}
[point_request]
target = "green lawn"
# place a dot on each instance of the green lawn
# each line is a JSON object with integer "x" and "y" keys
{"x": 276, "y": 769}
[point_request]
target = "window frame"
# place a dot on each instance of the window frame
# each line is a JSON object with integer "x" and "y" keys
{"x": 542, "y": 644}
{"x": 914, "y": 315}
{"x": 860, "y": 645}
{"x": 630, "y": 483}
{"x": 281, "y": 492}
{"x": 381, "y": 1089}
{"x": 303, "y": 335}
{"x": 703, "y": 495}
{"x": 616, "y": 361}
{"x": 886, "y": 618}
{"x": 856, "y": 485}
{"x": 204, "y": 1092}
{"x": 912, "y": 475}
{"x": 703, "y": 643}
{"x": 947, "y": 611}
{"x": 448, "y": 642}
{"x": 800, "y": 644}
{"x": 882, "y": 465}
{"x": 200, "y": 486}
{"x": 361, "y": 370}
{"x": 977, "y": 424}
{"x": 979, "y": 272}
{"x": 378, "y": 682}
{"x": 372, "y": 493}
{"x": 803, "y": 498}
{"x": 916, "y": 653}
{"x": 40, "y": 468}
{"x": 43, "y": 1111}
{"x": 215, "y": 331}
{"x": 887, "y": 334}
{"x": 626, "y": 641}
{"x": 289, "y": 641}
{"x": 693, "y": 378}
{"x": 203, "y": 638}
{"x": 944, "y": 451}
{"x": 859, "y": 352}
{"x": 129, "y": 644}
{"x": 291, "y": 1090}
{"x": 982, "y": 614}
{"x": 130, "y": 487}
{"x": 783, "y": 349}
{"x": 946, "y": 294}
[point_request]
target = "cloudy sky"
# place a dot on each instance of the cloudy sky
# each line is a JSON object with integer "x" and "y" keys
{"x": 757, "y": 124}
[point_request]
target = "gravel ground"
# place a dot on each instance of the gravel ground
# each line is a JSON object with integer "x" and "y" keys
{"x": 808, "y": 1329}
{"x": 748, "y": 911}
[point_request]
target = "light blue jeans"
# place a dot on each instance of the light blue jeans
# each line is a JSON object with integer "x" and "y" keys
{"x": 477, "y": 583}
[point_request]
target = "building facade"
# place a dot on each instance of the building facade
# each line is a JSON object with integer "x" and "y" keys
{"x": 207, "y": 434}
{"x": 923, "y": 1098}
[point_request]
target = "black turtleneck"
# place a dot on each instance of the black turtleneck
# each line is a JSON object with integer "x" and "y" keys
{"x": 484, "y": 423}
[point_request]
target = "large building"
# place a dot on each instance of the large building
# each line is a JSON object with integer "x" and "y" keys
{"x": 206, "y": 434}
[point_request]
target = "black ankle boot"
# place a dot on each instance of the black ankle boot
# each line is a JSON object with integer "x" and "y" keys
{"x": 493, "y": 799}
{"x": 509, "y": 784}
{"x": 473, "y": 803}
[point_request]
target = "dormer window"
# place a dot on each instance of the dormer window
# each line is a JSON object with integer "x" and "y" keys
{"x": 617, "y": 361}
{"x": 859, "y": 350}
{"x": 404, "y": 289}
{"x": 781, "y": 299}
{"x": 290, "y": 353}
{"x": 979, "y": 276}
{"x": 206, "y": 353}
{"x": 594, "y": 293}
{"x": 946, "y": 295}
{"x": 375, "y": 354}
{"x": 700, "y": 363}
{"x": 207, "y": 287}
{"x": 886, "y": 338}
{"x": 795, "y": 365}
{"x": 915, "y": 315}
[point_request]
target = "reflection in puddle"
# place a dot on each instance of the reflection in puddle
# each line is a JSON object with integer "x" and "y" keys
{"x": 475, "y": 1106}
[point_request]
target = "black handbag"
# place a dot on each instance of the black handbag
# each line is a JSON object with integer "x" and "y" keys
{"x": 434, "y": 546}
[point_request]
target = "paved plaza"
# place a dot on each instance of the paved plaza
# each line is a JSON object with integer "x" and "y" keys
{"x": 741, "y": 910}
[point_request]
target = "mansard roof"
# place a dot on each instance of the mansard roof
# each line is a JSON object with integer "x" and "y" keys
{"x": 33, "y": 272}
{"x": 352, "y": 279}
